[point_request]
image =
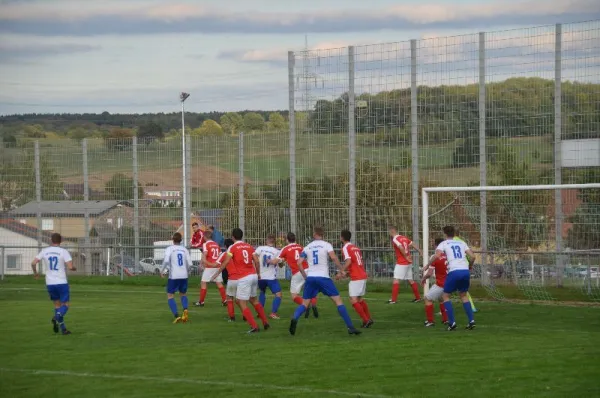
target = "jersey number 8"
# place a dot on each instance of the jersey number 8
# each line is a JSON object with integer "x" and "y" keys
{"x": 180, "y": 259}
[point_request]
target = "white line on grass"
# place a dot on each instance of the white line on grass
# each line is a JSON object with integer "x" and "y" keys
{"x": 191, "y": 381}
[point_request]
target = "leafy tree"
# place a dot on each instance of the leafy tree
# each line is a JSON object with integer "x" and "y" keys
{"x": 120, "y": 187}
{"x": 585, "y": 234}
{"x": 209, "y": 128}
{"x": 34, "y": 131}
{"x": 253, "y": 122}
{"x": 77, "y": 134}
{"x": 150, "y": 132}
{"x": 119, "y": 139}
{"x": 232, "y": 123}
{"x": 277, "y": 122}
{"x": 9, "y": 140}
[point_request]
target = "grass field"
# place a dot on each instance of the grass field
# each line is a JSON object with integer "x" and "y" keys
{"x": 124, "y": 345}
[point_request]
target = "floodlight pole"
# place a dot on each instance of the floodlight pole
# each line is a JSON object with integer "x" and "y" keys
{"x": 183, "y": 97}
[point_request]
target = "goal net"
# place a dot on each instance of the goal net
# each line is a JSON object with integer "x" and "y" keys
{"x": 532, "y": 242}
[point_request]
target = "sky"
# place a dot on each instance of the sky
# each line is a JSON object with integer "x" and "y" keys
{"x": 136, "y": 56}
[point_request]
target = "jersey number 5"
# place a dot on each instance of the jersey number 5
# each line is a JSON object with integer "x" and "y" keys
{"x": 53, "y": 263}
{"x": 315, "y": 257}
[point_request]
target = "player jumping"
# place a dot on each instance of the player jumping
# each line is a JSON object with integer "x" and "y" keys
{"x": 267, "y": 274}
{"x": 440, "y": 266}
{"x": 55, "y": 259}
{"x": 240, "y": 253}
{"x": 177, "y": 262}
{"x": 210, "y": 254}
{"x": 458, "y": 278}
{"x": 403, "y": 269}
{"x": 317, "y": 279}
{"x": 290, "y": 254}
{"x": 354, "y": 267}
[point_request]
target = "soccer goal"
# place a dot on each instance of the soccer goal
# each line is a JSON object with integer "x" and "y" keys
{"x": 536, "y": 242}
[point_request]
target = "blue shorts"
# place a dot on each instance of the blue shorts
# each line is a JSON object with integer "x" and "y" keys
{"x": 315, "y": 285}
{"x": 272, "y": 284}
{"x": 457, "y": 280}
{"x": 59, "y": 292}
{"x": 177, "y": 285}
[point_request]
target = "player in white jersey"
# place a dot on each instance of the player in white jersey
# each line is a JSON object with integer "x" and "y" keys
{"x": 267, "y": 274}
{"x": 460, "y": 258}
{"x": 55, "y": 261}
{"x": 317, "y": 253}
{"x": 177, "y": 262}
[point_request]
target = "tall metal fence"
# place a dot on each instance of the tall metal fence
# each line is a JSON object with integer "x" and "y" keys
{"x": 369, "y": 125}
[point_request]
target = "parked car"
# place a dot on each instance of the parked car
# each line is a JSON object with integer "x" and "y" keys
{"x": 150, "y": 266}
{"x": 127, "y": 263}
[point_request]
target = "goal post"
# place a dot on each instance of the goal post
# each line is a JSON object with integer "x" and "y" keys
{"x": 502, "y": 206}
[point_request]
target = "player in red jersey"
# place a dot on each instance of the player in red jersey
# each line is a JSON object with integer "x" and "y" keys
{"x": 210, "y": 254}
{"x": 440, "y": 266}
{"x": 290, "y": 254}
{"x": 403, "y": 269}
{"x": 198, "y": 237}
{"x": 354, "y": 267}
{"x": 245, "y": 278}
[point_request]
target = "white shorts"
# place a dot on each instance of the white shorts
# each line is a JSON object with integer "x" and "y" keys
{"x": 297, "y": 283}
{"x": 357, "y": 288}
{"x": 435, "y": 293}
{"x": 247, "y": 287}
{"x": 403, "y": 272}
{"x": 232, "y": 286}
{"x": 209, "y": 273}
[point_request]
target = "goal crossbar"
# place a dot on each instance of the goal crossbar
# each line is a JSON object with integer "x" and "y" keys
{"x": 425, "y": 202}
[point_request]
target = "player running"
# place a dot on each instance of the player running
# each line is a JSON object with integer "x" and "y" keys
{"x": 440, "y": 266}
{"x": 177, "y": 262}
{"x": 290, "y": 254}
{"x": 210, "y": 254}
{"x": 267, "y": 274}
{"x": 245, "y": 278}
{"x": 458, "y": 278}
{"x": 403, "y": 269}
{"x": 55, "y": 260}
{"x": 317, "y": 279}
{"x": 354, "y": 266}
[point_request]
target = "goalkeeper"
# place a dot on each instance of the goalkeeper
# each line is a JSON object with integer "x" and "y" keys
{"x": 457, "y": 237}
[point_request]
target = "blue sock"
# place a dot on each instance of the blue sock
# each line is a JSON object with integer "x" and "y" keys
{"x": 184, "y": 302}
{"x": 276, "y": 304}
{"x": 469, "y": 311}
{"x": 344, "y": 314}
{"x": 58, "y": 315}
{"x": 449, "y": 311}
{"x": 299, "y": 311}
{"x": 173, "y": 306}
{"x": 63, "y": 310}
{"x": 63, "y": 328}
{"x": 262, "y": 298}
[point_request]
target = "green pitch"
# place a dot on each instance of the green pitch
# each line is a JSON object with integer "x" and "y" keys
{"x": 124, "y": 345}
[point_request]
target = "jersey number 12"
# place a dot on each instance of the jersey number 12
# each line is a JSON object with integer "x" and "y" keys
{"x": 53, "y": 263}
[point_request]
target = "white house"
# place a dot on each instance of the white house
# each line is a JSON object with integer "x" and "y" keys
{"x": 19, "y": 244}
{"x": 165, "y": 196}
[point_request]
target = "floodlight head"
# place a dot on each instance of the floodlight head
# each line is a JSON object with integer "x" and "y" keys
{"x": 183, "y": 96}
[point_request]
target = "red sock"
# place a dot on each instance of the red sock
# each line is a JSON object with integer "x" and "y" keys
{"x": 222, "y": 292}
{"x": 250, "y": 318}
{"x": 359, "y": 310}
{"x": 298, "y": 300}
{"x": 415, "y": 289}
{"x": 261, "y": 313}
{"x": 202, "y": 295}
{"x": 443, "y": 311}
{"x": 230, "y": 308}
{"x": 395, "y": 291}
{"x": 429, "y": 312}
{"x": 365, "y": 308}
{"x": 313, "y": 302}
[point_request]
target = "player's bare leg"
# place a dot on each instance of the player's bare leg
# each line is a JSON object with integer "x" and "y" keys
{"x": 260, "y": 311}
{"x": 395, "y": 291}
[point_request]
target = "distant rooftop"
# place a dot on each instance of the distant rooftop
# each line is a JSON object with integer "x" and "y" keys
{"x": 71, "y": 208}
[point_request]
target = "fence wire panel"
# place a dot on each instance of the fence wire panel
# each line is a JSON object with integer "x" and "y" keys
{"x": 321, "y": 103}
{"x": 383, "y": 126}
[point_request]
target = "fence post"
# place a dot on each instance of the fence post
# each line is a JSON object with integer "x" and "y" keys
{"x": 558, "y": 216}
{"x": 38, "y": 193}
{"x": 414, "y": 145}
{"x": 86, "y": 198}
{"x": 122, "y": 262}
{"x": 292, "y": 144}
{"x": 2, "y": 263}
{"x": 351, "y": 144}
{"x": 188, "y": 195}
{"x": 482, "y": 151}
{"x": 136, "y": 205}
{"x": 241, "y": 209}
